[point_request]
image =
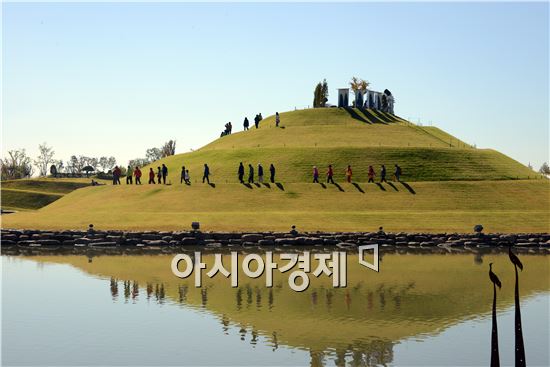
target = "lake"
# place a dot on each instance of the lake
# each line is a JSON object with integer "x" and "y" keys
{"x": 420, "y": 309}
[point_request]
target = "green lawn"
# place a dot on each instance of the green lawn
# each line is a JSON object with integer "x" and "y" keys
{"x": 508, "y": 206}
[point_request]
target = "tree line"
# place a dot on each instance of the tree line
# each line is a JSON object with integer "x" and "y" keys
{"x": 18, "y": 164}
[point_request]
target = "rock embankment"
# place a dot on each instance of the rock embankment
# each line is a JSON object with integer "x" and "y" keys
{"x": 156, "y": 239}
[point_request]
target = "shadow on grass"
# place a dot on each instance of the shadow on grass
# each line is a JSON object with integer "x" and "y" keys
{"x": 358, "y": 187}
{"x": 355, "y": 115}
{"x": 393, "y": 186}
{"x": 267, "y": 185}
{"x": 372, "y": 117}
{"x": 380, "y": 186}
{"x": 408, "y": 187}
{"x": 212, "y": 185}
{"x": 323, "y": 185}
{"x": 247, "y": 185}
{"x": 257, "y": 184}
{"x": 339, "y": 187}
{"x": 280, "y": 186}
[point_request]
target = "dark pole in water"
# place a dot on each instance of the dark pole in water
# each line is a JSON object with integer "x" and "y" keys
{"x": 495, "y": 360}
{"x": 520, "y": 348}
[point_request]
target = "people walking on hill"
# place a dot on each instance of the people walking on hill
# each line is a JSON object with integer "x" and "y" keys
{"x": 277, "y": 119}
{"x": 383, "y": 174}
{"x": 129, "y": 173}
{"x": 272, "y": 173}
{"x": 206, "y": 174}
{"x": 159, "y": 175}
{"x": 164, "y": 173}
{"x": 246, "y": 123}
{"x": 137, "y": 175}
{"x": 250, "y": 174}
{"x": 315, "y": 174}
{"x": 397, "y": 173}
{"x": 330, "y": 174}
{"x": 187, "y": 179}
{"x": 182, "y": 175}
{"x": 371, "y": 174}
{"x": 240, "y": 172}
{"x": 256, "y": 121}
{"x": 230, "y": 126}
{"x": 260, "y": 118}
{"x": 260, "y": 173}
{"x": 349, "y": 173}
{"x": 151, "y": 176}
{"x": 116, "y": 175}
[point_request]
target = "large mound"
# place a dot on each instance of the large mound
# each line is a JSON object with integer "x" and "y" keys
{"x": 340, "y": 137}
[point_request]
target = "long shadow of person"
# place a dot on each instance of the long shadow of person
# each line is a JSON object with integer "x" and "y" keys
{"x": 247, "y": 185}
{"x": 323, "y": 185}
{"x": 495, "y": 360}
{"x": 380, "y": 186}
{"x": 339, "y": 187}
{"x": 267, "y": 185}
{"x": 408, "y": 187}
{"x": 257, "y": 184}
{"x": 520, "y": 348}
{"x": 280, "y": 186}
{"x": 393, "y": 186}
{"x": 358, "y": 187}
{"x": 212, "y": 185}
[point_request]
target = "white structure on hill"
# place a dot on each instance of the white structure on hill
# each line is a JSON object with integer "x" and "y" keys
{"x": 383, "y": 101}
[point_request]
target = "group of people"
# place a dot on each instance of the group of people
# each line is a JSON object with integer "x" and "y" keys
{"x": 246, "y": 123}
{"x": 228, "y": 128}
{"x": 162, "y": 174}
{"x": 260, "y": 172}
{"x": 349, "y": 173}
{"x": 257, "y": 119}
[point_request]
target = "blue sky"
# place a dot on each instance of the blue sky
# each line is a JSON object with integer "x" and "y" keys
{"x": 117, "y": 78}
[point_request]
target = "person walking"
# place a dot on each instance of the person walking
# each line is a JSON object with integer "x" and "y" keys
{"x": 260, "y": 173}
{"x": 250, "y": 174}
{"x": 383, "y": 174}
{"x": 164, "y": 173}
{"x": 137, "y": 175}
{"x": 349, "y": 173}
{"x": 277, "y": 119}
{"x": 116, "y": 175}
{"x": 241, "y": 173}
{"x": 206, "y": 174}
{"x": 159, "y": 175}
{"x": 315, "y": 174}
{"x": 230, "y": 127}
{"x": 187, "y": 178}
{"x": 272, "y": 173}
{"x": 129, "y": 173}
{"x": 330, "y": 174}
{"x": 397, "y": 173}
{"x": 256, "y": 121}
{"x": 371, "y": 174}
{"x": 182, "y": 175}
{"x": 151, "y": 176}
{"x": 246, "y": 123}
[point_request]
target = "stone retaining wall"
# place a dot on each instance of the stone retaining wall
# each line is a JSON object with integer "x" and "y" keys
{"x": 153, "y": 239}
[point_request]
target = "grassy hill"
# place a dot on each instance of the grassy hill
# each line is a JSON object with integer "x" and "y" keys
{"x": 346, "y": 136}
{"x": 449, "y": 186}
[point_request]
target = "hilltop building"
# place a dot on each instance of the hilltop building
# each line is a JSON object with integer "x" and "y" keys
{"x": 383, "y": 101}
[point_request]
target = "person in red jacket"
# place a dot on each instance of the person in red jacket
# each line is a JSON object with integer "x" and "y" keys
{"x": 151, "y": 176}
{"x": 330, "y": 174}
{"x": 349, "y": 173}
{"x": 137, "y": 175}
{"x": 371, "y": 174}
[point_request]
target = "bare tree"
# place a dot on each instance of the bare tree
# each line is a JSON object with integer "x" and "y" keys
{"x": 545, "y": 169}
{"x": 153, "y": 154}
{"x": 168, "y": 149}
{"x": 16, "y": 165}
{"x": 44, "y": 159}
{"x": 111, "y": 162}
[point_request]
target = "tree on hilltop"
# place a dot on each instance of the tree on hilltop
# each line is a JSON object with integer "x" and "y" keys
{"x": 317, "y": 95}
{"x": 358, "y": 86}
{"x": 44, "y": 159}
{"x": 545, "y": 169}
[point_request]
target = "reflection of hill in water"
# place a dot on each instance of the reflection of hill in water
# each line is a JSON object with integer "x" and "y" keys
{"x": 411, "y": 296}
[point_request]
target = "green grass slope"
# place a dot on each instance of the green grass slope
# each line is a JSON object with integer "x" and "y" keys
{"x": 508, "y": 206}
{"x": 34, "y": 194}
{"x": 346, "y": 136}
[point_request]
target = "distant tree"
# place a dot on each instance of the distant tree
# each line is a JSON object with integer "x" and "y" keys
{"x": 153, "y": 154}
{"x": 16, "y": 165}
{"x": 545, "y": 169}
{"x": 44, "y": 159}
{"x": 324, "y": 93}
{"x": 111, "y": 163}
{"x": 168, "y": 149}
{"x": 317, "y": 95}
{"x": 530, "y": 166}
{"x": 59, "y": 166}
{"x": 138, "y": 162}
{"x": 103, "y": 164}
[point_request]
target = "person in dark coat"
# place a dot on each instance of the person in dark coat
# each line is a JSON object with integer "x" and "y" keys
{"x": 241, "y": 173}
{"x": 250, "y": 174}
{"x": 330, "y": 174}
{"x": 272, "y": 173}
{"x": 206, "y": 175}
{"x": 164, "y": 173}
{"x": 159, "y": 175}
{"x": 151, "y": 176}
{"x": 397, "y": 173}
{"x": 246, "y": 123}
{"x": 383, "y": 174}
{"x": 260, "y": 173}
{"x": 256, "y": 121}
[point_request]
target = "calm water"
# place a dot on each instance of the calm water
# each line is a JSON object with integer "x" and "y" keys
{"x": 130, "y": 310}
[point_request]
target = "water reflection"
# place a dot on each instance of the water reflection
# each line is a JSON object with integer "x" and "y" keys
{"x": 413, "y": 296}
